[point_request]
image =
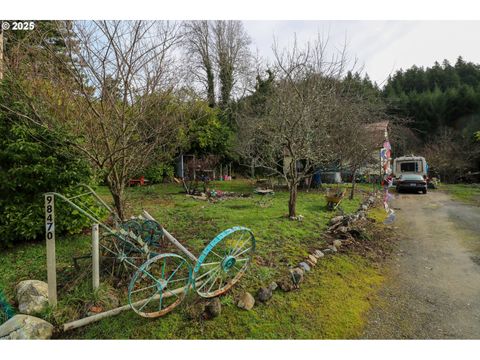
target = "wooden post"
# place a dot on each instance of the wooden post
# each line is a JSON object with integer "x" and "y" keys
{"x": 50, "y": 239}
{"x": 95, "y": 258}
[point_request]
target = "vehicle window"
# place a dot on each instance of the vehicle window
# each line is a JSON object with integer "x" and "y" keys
{"x": 411, "y": 177}
{"x": 408, "y": 166}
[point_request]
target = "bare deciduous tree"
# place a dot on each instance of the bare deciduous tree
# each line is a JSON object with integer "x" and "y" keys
{"x": 198, "y": 43}
{"x": 293, "y": 136}
{"x": 219, "y": 58}
{"x": 110, "y": 89}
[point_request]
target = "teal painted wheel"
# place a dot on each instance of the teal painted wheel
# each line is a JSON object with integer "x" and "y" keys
{"x": 119, "y": 255}
{"x": 132, "y": 225}
{"x": 152, "y": 233}
{"x": 223, "y": 262}
{"x": 159, "y": 285}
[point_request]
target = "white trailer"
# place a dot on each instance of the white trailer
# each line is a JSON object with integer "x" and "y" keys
{"x": 410, "y": 165}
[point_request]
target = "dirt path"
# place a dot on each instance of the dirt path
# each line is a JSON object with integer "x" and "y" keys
{"x": 433, "y": 286}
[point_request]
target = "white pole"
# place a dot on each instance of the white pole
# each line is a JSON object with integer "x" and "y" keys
{"x": 50, "y": 239}
{"x": 95, "y": 258}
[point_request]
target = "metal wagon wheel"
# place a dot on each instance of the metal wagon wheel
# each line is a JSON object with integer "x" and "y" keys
{"x": 132, "y": 225}
{"x": 159, "y": 285}
{"x": 119, "y": 254}
{"x": 152, "y": 233}
{"x": 223, "y": 262}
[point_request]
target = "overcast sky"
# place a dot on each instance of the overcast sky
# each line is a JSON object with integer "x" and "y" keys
{"x": 381, "y": 47}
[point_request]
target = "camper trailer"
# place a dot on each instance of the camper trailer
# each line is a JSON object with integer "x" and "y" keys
{"x": 410, "y": 165}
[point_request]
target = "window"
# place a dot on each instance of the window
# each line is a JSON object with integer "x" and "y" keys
{"x": 408, "y": 167}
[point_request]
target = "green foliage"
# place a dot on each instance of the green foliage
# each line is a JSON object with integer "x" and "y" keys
{"x": 206, "y": 132}
{"x": 443, "y": 95}
{"x": 158, "y": 172}
{"x": 35, "y": 160}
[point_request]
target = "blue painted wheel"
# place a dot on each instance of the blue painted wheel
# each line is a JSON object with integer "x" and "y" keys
{"x": 159, "y": 285}
{"x": 224, "y": 261}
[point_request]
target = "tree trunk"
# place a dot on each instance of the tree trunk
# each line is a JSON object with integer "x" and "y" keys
{"x": 352, "y": 193}
{"x": 117, "y": 191}
{"x": 292, "y": 201}
{"x": 252, "y": 168}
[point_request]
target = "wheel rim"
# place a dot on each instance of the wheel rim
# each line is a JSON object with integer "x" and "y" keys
{"x": 159, "y": 285}
{"x": 118, "y": 256}
{"x": 223, "y": 262}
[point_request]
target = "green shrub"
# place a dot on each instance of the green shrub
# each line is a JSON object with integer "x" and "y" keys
{"x": 33, "y": 161}
{"x": 158, "y": 172}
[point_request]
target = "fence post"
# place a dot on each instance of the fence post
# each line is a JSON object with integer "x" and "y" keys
{"x": 50, "y": 240}
{"x": 95, "y": 258}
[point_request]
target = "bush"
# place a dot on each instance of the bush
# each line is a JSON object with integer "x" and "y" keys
{"x": 158, "y": 172}
{"x": 33, "y": 161}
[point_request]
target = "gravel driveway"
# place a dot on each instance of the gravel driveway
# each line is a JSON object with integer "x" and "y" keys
{"x": 433, "y": 286}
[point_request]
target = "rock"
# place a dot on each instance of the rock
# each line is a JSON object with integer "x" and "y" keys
{"x": 333, "y": 248}
{"x": 336, "y": 220}
{"x": 297, "y": 275}
{"x": 371, "y": 199}
{"x": 312, "y": 259}
{"x": 300, "y": 217}
{"x": 337, "y": 243}
{"x": 286, "y": 284}
{"x": 342, "y": 229}
{"x": 273, "y": 286}
{"x": 318, "y": 254}
{"x": 25, "y": 327}
{"x": 264, "y": 294}
{"x": 364, "y": 207}
{"x": 327, "y": 251}
{"x": 32, "y": 296}
{"x": 213, "y": 308}
{"x": 304, "y": 266}
{"x": 196, "y": 310}
{"x": 246, "y": 301}
{"x": 309, "y": 263}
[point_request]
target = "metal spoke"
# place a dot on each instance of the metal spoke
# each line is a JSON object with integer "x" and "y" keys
{"x": 163, "y": 268}
{"x": 142, "y": 289}
{"x": 237, "y": 242}
{"x": 244, "y": 251}
{"x": 212, "y": 263}
{"x": 239, "y": 248}
{"x": 205, "y": 274}
{"x": 177, "y": 280}
{"x": 213, "y": 283}
{"x": 206, "y": 282}
{"x": 172, "y": 292}
{"x": 178, "y": 267}
{"x": 214, "y": 253}
{"x": 147, "y": 301}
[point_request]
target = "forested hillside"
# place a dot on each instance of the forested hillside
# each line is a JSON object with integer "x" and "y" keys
{"x": 442, "y": 107}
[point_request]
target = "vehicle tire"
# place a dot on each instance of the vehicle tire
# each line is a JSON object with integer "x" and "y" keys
{"x": 424, "y": 191}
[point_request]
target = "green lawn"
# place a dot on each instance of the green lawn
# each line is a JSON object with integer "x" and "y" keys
{"x": 467, "y": 193}
{"x": 330, "y": 304}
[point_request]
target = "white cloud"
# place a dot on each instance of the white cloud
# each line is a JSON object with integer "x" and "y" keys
{"x": 381, "y": 46}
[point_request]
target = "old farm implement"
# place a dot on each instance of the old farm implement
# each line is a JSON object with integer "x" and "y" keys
{"x": 334, "y": 197}
{"x": 158, "y": 280}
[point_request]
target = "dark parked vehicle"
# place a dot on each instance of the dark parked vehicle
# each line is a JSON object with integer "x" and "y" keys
{"x": 411, "y": 182}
